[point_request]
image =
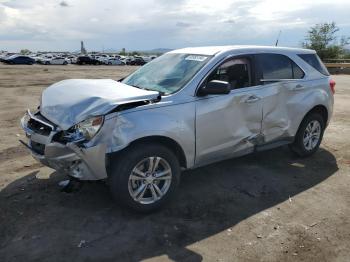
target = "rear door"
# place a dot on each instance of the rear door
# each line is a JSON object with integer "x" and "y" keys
{"x": 283, "y": 85}
{"x": 229, "y": 125}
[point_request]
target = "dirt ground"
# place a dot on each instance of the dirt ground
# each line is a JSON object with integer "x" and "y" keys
{"x": 269, "y": 206}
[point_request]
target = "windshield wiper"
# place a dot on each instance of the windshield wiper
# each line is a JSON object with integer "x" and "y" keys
{"x": 135, "y": 86}
{"x": 149, "y": 89}
{"x": 161, "y": 93}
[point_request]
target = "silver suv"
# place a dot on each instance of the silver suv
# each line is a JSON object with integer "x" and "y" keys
{"x": 187, "y": 108}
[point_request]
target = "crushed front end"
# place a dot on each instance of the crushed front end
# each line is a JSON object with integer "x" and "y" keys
{"x": 64, "y": 151}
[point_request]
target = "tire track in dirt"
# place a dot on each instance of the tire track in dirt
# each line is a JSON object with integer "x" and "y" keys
{"x": 35, "y": 165}
{"x": 13, "y": 153}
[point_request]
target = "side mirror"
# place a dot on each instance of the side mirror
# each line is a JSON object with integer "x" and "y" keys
{"x": 215, "y": 87}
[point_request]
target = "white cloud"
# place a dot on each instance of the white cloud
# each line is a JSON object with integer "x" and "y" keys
{"x": 146, "y": 24}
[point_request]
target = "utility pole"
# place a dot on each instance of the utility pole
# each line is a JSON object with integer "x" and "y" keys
{"x": 278, "y": 37}
{"x": 82, "y": 48}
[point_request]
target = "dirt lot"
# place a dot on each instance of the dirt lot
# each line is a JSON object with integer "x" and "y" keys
{"x": 269, "y": 206}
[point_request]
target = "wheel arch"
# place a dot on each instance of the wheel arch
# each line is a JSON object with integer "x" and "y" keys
{"x": 321, "y": 109}
{"x": 296, "y": 146}
{"x": 156, "y": 139}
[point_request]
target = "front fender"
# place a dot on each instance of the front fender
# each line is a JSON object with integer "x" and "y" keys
{"x": 176, "y": 122}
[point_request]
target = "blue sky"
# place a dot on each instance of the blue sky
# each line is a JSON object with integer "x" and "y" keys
{"x": 147, "y": 24}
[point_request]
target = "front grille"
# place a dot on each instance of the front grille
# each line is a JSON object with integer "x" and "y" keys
{"x": 39, "y": 127}
{"x": 38, "y": 148}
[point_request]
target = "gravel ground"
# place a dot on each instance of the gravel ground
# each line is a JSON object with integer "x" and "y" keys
{"x": 269, "y": 206}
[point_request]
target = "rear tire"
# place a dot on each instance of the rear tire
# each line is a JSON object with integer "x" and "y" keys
{"x": 136, "y": 185}
{"x": 309, "y": 135}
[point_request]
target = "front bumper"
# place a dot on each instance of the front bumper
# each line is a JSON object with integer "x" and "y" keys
{"x": 73, "y": 159}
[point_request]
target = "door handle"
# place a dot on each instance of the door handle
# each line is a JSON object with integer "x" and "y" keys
{"x": 298, "y": 87}
{"x": 252, "y": 99}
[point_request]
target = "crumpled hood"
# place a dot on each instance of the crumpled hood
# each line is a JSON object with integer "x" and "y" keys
{"x": 69, "y": 102}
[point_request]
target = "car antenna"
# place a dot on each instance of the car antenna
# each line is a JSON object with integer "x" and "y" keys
{"x": 278, "y": 37}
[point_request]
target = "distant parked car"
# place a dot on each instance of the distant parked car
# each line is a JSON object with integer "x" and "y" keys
{"x": 73, "y": 59}
{"x": 138, "y": 61}
{"x": 58, "y": 61}
{"x": 2, "y": 58}
{"x": 103, "y": 59}
{"x": 19, "y": 60}
{"x": 36, "y": 58}
{"x": 86, "y": 60}
{"x": 45, "y": 59}
{"x": 126, "y": 60}
{"x": 5, "y": 56}
{"x": 115, "y": 61}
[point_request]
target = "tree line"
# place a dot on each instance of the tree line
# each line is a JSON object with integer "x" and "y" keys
{"x": 324, "y": 39}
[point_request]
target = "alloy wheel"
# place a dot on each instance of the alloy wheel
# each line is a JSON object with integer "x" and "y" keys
{"x": 312, "y": 135}
{"x": 150, "y": 180}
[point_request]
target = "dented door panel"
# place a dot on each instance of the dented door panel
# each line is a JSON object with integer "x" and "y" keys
{"x": 276, "y": 121}
{"x": 227, "y": 125}
{"x": 286, "y": 103}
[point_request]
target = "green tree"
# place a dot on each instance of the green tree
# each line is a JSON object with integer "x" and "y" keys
{"x": 25, "y": 52}
{"x": 323, "y": 39}
{"x": 123, "y": 52}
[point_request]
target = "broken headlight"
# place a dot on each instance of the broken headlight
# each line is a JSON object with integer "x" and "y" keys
{"x": 88, "y": 128}
{"x": 25, "y": 119}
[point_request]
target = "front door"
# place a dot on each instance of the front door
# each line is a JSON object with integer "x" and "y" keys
{"x": 229, "y": 125}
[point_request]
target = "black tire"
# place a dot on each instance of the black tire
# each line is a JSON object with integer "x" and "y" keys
{"x": 121, "y": 169}
{"x": 65, "y": 63}
{"x": 298, "y": 146}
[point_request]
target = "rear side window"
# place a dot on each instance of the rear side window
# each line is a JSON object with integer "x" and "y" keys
{"x": 315, "y": 62}
{"x": 297, "y": 72}
{"x": 276, "y": 66}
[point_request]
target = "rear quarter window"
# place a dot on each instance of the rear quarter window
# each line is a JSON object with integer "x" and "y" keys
{"x": 277, "y": 66}
{"x": 314, "y": 61}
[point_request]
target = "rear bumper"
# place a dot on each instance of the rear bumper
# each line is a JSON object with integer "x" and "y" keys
{"x": 73, "y": 159}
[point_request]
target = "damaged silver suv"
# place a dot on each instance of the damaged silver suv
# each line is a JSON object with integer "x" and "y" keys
{"x": 187, "y": 108}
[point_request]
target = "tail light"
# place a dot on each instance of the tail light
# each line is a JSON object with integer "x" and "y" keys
{"x": 332, "y": 85}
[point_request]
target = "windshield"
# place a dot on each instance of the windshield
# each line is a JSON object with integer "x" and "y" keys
{"x": 167, "y": 73}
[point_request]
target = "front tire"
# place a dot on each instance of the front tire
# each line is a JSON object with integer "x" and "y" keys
{"x": 309, "y": 135}
{"x": 144, "y": 177}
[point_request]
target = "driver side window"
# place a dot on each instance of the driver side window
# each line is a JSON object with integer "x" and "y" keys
{"x": 237, "y": 72}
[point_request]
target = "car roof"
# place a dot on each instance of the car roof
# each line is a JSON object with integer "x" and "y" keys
{"x": 213, "y": 50}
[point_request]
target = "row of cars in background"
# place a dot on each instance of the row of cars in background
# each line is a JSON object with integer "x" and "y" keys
{"x": 65, "y": 59}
